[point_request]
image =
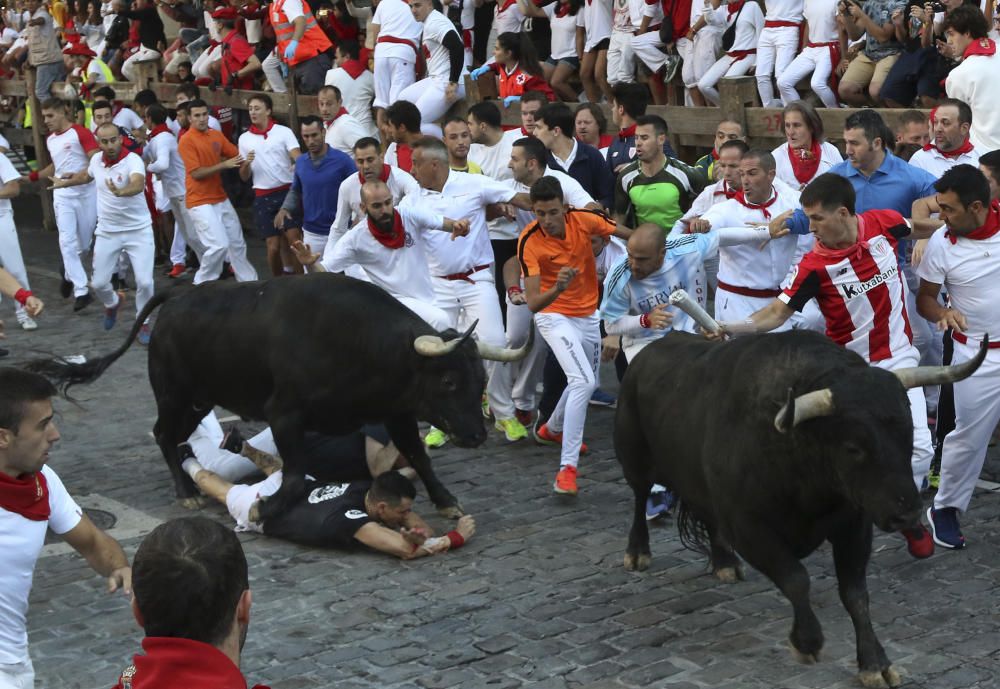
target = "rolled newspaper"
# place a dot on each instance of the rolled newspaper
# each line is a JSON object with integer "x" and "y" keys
{"x": 685, "y": 303}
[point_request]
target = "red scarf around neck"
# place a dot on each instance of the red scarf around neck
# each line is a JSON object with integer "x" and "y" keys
{"x": 396, "y": 238}
{"x": 159, "y": 129}
{"x": 854, "y": 251}
{"x": 562, "y": 10}
{"x": 762, "y": 207}
{"x": 262, "y": 132}
{"x": 121, "y": 155}
{"x": 355, "y": 68}
{"x": 987, "y": 230}
{"x": 626, "y": 132}
{"x": 805, "y": 164}
{"x": 732, "y": 8}
{"x": 715, "y": 155}
{"x": 27, "y": 496}
{"x": 984, "y": 47}
{"x": 404, "y": 157}
{"x": 342, "y": 111}
{"x": 384, "y": 175}
{"x": 966, "y": 147}
{"x": 726, "y": 191}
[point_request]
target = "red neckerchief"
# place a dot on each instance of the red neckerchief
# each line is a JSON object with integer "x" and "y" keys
{"x": 966, "y": 147}
{"x": 396, "y": 238}
{"x": 626, "y": 132}
{"x": 741, "y": 197}
{"x": 732, "y": 8}
{"x": 562, "y": 10}
{"x": 355, "y": 68}
{"x": 525, "y": 132}
{"x": 854, "y": 251}
{"x": 404, "y": 157}
{"x": 28, "y": 496}
{"x": 726, "y": 191}
{"x": 605, "y": 140}
{"x": 987, "y": 230}
{"x": 805, "y": 164}
{"x": 984, "y": 46}
{"x": 122, "y": 152}
{"x": 342, "y": 111}
{"x": 159, "y": 129}
{"x": 384, "y": 175}
{"x": 262, "y": 132}
{"x": 715, "y": 154}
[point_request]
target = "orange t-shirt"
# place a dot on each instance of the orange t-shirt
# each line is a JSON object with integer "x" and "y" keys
{"x": 204, "y": 149}
{"x": 543, "y": 255}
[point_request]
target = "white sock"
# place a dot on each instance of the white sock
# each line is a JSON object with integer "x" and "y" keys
{"x": 192, "y": 467}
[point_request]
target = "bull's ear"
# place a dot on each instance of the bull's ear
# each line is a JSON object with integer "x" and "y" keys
{"x": 786, "y": 415}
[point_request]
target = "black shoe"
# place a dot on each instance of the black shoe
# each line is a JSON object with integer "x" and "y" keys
{"x": 82, "y": 302}
{"x": 232, "y": 441}
{"x": 116, "y": 282}
{"x": 227, "y": 271}
{"x": 184, "y": 451}
{"x": 66, "y": 288}
{"x": 4, "y": 352}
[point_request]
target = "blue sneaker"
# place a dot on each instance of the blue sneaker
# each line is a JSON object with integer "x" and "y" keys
{"x": 144, "y": 334}
{"x": 658, "y": 505}
{"x": 945, "y": 528}
{"x": 111, "y": 315}
{"x": 603, "y": 399}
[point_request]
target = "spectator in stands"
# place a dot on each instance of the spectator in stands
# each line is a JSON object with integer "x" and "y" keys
{"x": 402, "y": 128}
{"x": 516, "y": 68}
{"x": 152, "y": 40}
{"x": 742, "y": 55}
{"x": 913, "y": 128}
{"x": 591, "y": 125}
{"x": 566, "y": 20}
{"x": 192, "y": 600}
{"x": 554, "y": 128}
{"x": 873, "y": 20}
{"x": 88, "y": 69}
{"x": 395, "y": 35}
{"x": 342, "y": 129}
{"x": 594, "y": 61}
{"x": 628, "y": 104}
{"x": 777, "y": 46}
{"x": 356, "y": 84}
{"x": 301, "y": 45}
{"x": 728, "y": 130}
{"x": 966, "y": 30}
{"x": 238, "y": 63}
{"x": 698, "y": 49}
{"x": 43, "y": 49}
{"x": 445, "y": 80}
{"x": 820, "y": 56}
{"x": 805, "y": 154}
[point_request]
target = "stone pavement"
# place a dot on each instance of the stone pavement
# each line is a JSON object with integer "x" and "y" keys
{"x": 538, "y": 598}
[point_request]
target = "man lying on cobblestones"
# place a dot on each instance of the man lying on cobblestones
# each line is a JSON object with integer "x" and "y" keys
{"x": 377, "y": 513}
{"x": 192, "y": 599}
{"x": 32, "y": 500}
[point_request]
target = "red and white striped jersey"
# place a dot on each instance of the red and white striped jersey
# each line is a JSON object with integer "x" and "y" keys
{"x": 859, "y": 289}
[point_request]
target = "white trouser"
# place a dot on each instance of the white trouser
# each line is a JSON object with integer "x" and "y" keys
{"x": 576, "y": 344}
{"x": 18, "y": 675}
{"x": 264, "y": 441}
{"x": 271, "y": 66}
{"x": 205, "y": 442}
{"x": 646, "y": 47}
{"x": 201, "y": 68}
{"x": 219, "y": 230}
{"x": 178, "y": 246}
{"x": 144, "y": 54}
{"x": 139, "y": 246}
{"x": 927, "y": 340}
{"x": 699, "y": 55}
{"x": 431, "y": 314}
{"x": 730, "y": 306}
{"x": 11, "y": 258}
{"x": 429, "y": 97}
{"x": 776, "y": 49}
{"x": 815, "y": 61}
{"x": 464, "y": 302}
{"x": 184, "y": 232}
{"x": 527, "y": 372}
{"x": 241, "y": 498}
{"x": 392, "y": 76}
{"x": 621, "y": 58}
{"x": 724, "y": 67}
{"x": 315, "y": 242}
{"x": 977, "y": 412}
{"x": 76, "y": 219}
{"x": 923, "y": 445}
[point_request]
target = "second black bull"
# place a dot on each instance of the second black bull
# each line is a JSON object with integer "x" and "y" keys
{"x": 322, "y": 353}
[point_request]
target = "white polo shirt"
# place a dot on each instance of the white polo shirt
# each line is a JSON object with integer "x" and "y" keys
{"x": 394, "y": 18}
{"x": 349, "y": 213}
{"x": 495, "y": 163}
{"x": 936, "y": 163}
{"x": 401, "y": 272}
{"x": 272, "y": 167}
{"x": 344, "y": 132}
{"x": 21, "y": 542}
{"x": 70, "y": 151}
{"x": 119, "y": 213}
{"x": 463, "y": 196}
{"x": 164, "y": 160}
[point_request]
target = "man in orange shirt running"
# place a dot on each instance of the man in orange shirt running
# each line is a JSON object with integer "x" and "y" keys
{"x": 206, "y": 153}
{"x": 562, "y": 290}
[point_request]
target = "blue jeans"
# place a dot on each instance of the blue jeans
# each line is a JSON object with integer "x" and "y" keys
{"x": 45, "y": 76}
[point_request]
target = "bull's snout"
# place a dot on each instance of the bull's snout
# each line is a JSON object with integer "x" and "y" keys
{"x": 470, "y": 439}
{"x": 900, "y": 521}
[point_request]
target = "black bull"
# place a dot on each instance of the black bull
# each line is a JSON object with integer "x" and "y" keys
{"x": 322, "y": 353}
{"x": 774, "y": 444}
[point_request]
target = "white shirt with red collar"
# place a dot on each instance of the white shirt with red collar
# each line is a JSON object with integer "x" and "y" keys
{"x": 70, "y": 152}
{"x": 272, "y": 167}
{"x": 936, "y": 162}
{"x": 357, "y": 93}
{"x": 119, "y": 213}
{"x": 709, "y": 196}
{"x": 344, "y": 131}
{"x": 974, "y": 82}
{"x": 349, "y": 211}
{"x": 507, "y": 17}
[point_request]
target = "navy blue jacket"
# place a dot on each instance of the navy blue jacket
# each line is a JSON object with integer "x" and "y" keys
{"x": 591, "y": 170}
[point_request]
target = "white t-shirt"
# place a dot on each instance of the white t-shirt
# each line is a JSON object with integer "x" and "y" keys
{"x": 822, "y": 18}
{"x": 128, "y": 118}
{"x": 21, "y": 542}
{"x": 401, "y": 272}
{"x": 272, "y": 167}
{"x": 357, "y": 94}
{"x": 463, "y": 196}
{"x": 344, "y": 132}
{"x": 784, "y": 10}
{"x": 119, "y": 213}
{"x": 436, "y": 27}
{"x": 597, "y": 19}
{"x": 563, "y": 31}
{"x": 349, "y": 213}
{"x": 507, "y": 17}
{"x": 394, "y": 18}
{"x": 934, "y": 162}
{"x": 574, "y": 195}
{"x": 70, "y": 151}
{"x": 8, "y": 173}
{"x": 164, "y": 160}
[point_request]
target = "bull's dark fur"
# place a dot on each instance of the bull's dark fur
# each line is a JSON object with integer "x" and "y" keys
{"x": 321, "y": 352}
{"x": 699, "y": 417}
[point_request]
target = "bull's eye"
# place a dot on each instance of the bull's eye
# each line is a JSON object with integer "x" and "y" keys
{"x": 854, "y": 451}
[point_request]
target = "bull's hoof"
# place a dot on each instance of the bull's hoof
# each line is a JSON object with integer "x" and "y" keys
{"x": 637, "y": 563}
{"x": 451, "y": 511}
{"x": 195, "y": 502}
{"x": 875, "y": 679}
{"x": 729, "y": 575}
{"x": 805, "y": 658}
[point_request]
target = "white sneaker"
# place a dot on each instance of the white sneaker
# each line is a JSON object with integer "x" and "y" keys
{"x": 28, "y": 323}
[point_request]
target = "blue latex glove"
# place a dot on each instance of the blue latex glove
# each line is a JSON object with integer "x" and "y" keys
{"x": 284, "y": 70}
{"x": 479, "y": 71}
{"x": 290, "y": 49}
{"x": 510, "y": 99}
{"x": 798, "y": 223}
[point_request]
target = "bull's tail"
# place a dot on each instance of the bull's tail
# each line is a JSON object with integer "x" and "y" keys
{"x": 693, "y": 531}
{"x": 65, "y": 374}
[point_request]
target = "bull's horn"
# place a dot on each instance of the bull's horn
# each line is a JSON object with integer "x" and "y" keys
{"x": 432, "y": 345}
{"x": 918, "y": 376}
{"x": 504, "y": 353}
{"x": 804, "y": 407}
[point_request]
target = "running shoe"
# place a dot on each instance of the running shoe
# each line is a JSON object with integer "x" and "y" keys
{"x": 918, "y": 542}
{"x": 523, "y": 416}
{"x": 28, "y": 323}
{"x": 177, "y": 270}
{"x": 603, "y": 399}
{"x": 487, "y": 412}
{"x": 945, "y": 527}
{"x": 543, "y": 436}
{"x": 512, "y": 428}
{"x": 65, "y": 288}
{"x": 82, "y": 302}
{"x": 145, "y": 332}
{"x": 232, "y": 441}
{"x": 111, "y": 314}
{"x": 435, "y": 438}
{"x": 934, "y": 479}
{"x": 565, "y": 483}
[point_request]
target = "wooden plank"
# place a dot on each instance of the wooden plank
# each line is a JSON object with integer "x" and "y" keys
{"x": 41, "y": 151}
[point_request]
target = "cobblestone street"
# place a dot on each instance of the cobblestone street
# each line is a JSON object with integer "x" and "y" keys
{"x": 538, "y": 598}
